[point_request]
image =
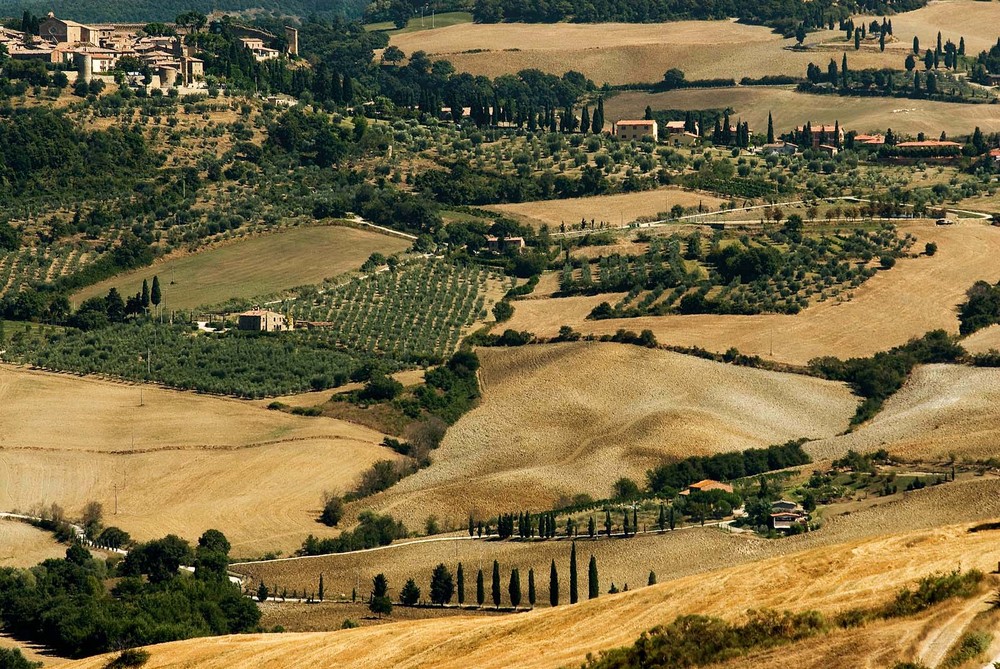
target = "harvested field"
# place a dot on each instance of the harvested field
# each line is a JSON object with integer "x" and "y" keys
{"x": 975, "y": 21}
{"x": 197, "y": 462}
{"x": 409, "y": 377}
{"x": 987, "y": 339}
{"x": 671, "y": 555}
{"x": 563, "y": 419}
{"x": 254, "y": 266}
{"x": 22, "y": 545}
{"x": 791, "y": 108}
{"x": 823, "y": 570}
{"x": 616, "y": 210}
{"x": 942, "y": 410}
{"x": 618, "y": 53}
{"x": 918, "y": 295}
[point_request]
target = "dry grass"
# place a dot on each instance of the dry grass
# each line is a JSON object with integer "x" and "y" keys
{"x": 791, "y": 108}
{"x": 619, "y": 53}
{"x": 918, "y": 295}
{"x": 254, "y": 266}
{"x": 987, "y": 339}
{"x": 22, "y": 545}
{"x": 829, "y": 571}
{"x": 975, "y": 21}
{"x": 942, "y": 410}
{"x": 563, "y": 419}
{"x": 616, "y": 210}
{"x": 197, "y": 462}
{"x": 409, "y": 377}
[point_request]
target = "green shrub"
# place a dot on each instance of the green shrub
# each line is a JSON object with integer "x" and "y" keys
{"x": 133, "y": 657}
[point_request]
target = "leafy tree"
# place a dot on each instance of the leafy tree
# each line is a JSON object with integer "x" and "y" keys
{"x": 593, "y": 587}
{"x": 159, "y": 559}
{"x": 262, "y": 593}
{"x": 410, "y": 594}
{"x": 333, "y": 510}
{"x": 11, "y": 658}
{"x": 553, "y": 585}
{"x": 380, "y": 603}
{"x": 442, "y": 586}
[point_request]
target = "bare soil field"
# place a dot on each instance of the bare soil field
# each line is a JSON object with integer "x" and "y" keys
{"x": 918, "y": 295}
{"x": 255, "y": 266}
{"x": 618, "y": 53}
{"x": 791, "y": 108}
{"x": 824, "y": 570}
{"x": 22, "y": 545}
{"x": 943, "y": 410}
{"x": 196, "y": 462}
{"x": 563, "y": 419}
{"x": 616, "y": 210}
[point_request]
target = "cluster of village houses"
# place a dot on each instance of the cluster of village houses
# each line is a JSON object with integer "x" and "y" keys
{"x": 827, "y": 139}
{"x": 785, "y": 514}
{"x": 95, "y": 50}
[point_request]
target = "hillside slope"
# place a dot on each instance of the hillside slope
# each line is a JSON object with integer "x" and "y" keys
{"x": 943, "y": 410}
{"x": 143, "y": 11}
{"x": 918, "y": 295}
{"x": 561, "y": 419}
{"x": 179, "y": 463}
{"x": 828, "y": 578}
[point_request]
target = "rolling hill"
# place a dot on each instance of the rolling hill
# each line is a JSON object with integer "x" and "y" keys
{"x": 143, "y": 11}
{"x": 561, "y": 419}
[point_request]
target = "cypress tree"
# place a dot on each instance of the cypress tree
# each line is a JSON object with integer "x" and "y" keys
{"x": 585, "y": 120}
{"x": 671, "y": 516}
{"x": 881, "y": 41}
{"x": 496, "y": 584}
{"x": 598, "y": 122}
{"x": 592, "y": 586}
{"x": 460, "y": 577}
{"x": 155, "y": 295}
{"x": 843, "y": 70}
{"x": 625, "y": 523}
{"x": 607, "y": 522}
{"x": 514, "y": 589}
{"x": 648, "y": 116}
{"x": 635, "y": 521}
{"x": 591, "y": 527}
{"x": 662, "y": 520}
{"x": 347, "y": 92}
{"x": 480, "y": 589}
{"x": 916, "y": 44}
{"x": 472, "y": 526}
{"x": 553, "y": 585}
{"x": 961, "y": 46}
{"x": 321, "y": 590}
{"x": 144, "y": 297}
{"x": 857, "y": 40}
{"x": 770, "y": 140}
{"x": 573, "y": 595}
{"x": 531, "y": 587}
{"x": 652, "y": 578}
{"x": 938, "y": 49}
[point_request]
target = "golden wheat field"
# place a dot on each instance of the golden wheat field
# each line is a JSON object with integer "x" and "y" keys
{"x": 974, "y": 20}
{"x": 987, "y": 339}
{"x": 197, "y": 462}
{"x": 790, "y": 108}
{"x": 918, "y": 295}
{"x": 22, "y": 545}
{"x": 615, "y": 210}
{"x": 618, "y": 53}
{"x": 561, "y": 419}
{"x": 254, "y": 266}
{"x": 827, "y": 572}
